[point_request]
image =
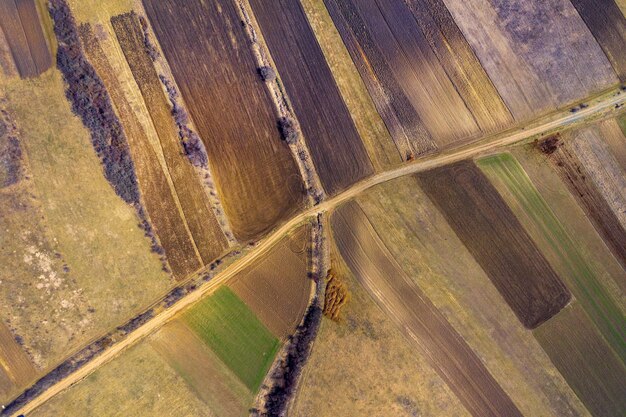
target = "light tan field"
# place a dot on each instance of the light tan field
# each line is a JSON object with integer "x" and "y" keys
{"x": 613, "y": 136}
{"x": 16, "y": 369}
{"x": 363, "y": 365}
{"x": 370, "y": 126}
{"x": 205, "y": 374}
{"x": 74, "y": 218}
{"x": 277, "y": 287}
{"x": 539, "y": 55}
{"x": 137, "y": 383}
{"x": 421, "y": 241}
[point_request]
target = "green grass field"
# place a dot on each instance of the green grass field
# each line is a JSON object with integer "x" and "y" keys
{"x": 508, "y": 175}
{"x": 621, "y": 120}
{"x": 235, "y": 334}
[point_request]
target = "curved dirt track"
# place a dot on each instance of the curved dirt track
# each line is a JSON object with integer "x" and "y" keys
{"x": 489, "y": 144}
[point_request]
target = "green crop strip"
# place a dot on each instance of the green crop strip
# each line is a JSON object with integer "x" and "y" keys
{"x": 235, "y": 334}
{"x": 580, "y": 276}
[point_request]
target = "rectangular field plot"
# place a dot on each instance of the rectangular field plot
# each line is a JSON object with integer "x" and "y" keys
{"x": 277, "y": 287}
{"x": 212, "y": 63}
{"x": 16, "y": 369}
{"x": 208, "y": 377}
{"x": 419, "y": 103}
{"x": 235, "y": 334}
{"x": 193, "y": 198}
{"x": 571, "y": 165}
{"x": 19, "y": 21}
{"x": 482, "y": 221}
{"x": 582, "y": 278}
{"x": 421, "y": 322}
{"x": 337, "y": 150}
{"x": 539, "y": 54}
{"x": 608, "y": 25}
{"x": 588, "y": 364}
{"x": 159, "y": 200}
{"x": 139, "y": 382}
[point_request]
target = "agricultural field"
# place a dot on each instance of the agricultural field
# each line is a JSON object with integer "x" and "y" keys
{"x": 160, "y": 202}
{"x": 211, "y": 61}
{"x": 513, "y": 184}
{"x": 235, "y": 334}
{"x": 396, "y": 381}
{"x": 422, "y": 323}
{"x": 482, "y": 220}
{"x": 74, "y": 262}
{"x": 534, "y": 69}
{"x": 376, "y": 138}
{"x": 583, "y": 357}
{"x": 419, "y": 238}
{"x": 338, "y": 152}
{"x": 277, "y": 288}
{"x": 22, "y": 29}
{"x": 415, "y": 97}
{"x": 608, "y": 25}
{"x": 570, "y": 161}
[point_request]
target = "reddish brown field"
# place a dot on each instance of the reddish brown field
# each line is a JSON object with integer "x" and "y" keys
{"x": 337, "y": 150}
{"x": 577, "y": 179}
{"x": 420, "y": 321}
{"x": 277, "y": 288}
{"x": 194, "y": 201}
{"x": 608, "y": 25}
{"x": 496, "y": 239}
{"x": 586, "y": 361}
{"x": 156, "y": 194}
{"x": 410, "y": 87}
{"x": 210, "y": 57}
{"x": 21, "y": 26}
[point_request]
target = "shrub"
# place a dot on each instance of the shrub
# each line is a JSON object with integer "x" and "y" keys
{"x": 267, "y": 74}
{"x": 288, "y": 129}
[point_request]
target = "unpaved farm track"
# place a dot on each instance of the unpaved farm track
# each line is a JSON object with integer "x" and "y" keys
{"x": 596, "y": 108}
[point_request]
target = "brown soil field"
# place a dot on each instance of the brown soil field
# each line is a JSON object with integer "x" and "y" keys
{"x": 194, "y": 201}
{"x": 22, "y": 28}
{"x": 160, "y": 202}
{"x": 137, "y": 383}
{"x": 363, "y": 365}
{"x": 16, "y": 369}
{"x": 539, "y": 55}
{"x": 415, "y": 314}
{"x": 338, "y": 153}
{"x": 576, "y": 176}
{"x": 210, "y": 59}
{"x": 376, "y": 138}
{"x": 420, "y": 240}
{"x": 608, "y": 25}
{"x": 277, "y": 287}
{"x": 461, "y": 65}
{"x": 397, "y": 63}
{"x": 482, "y": 221}
{"x": 206, "y": 375}
{"x": 583, "y": 357}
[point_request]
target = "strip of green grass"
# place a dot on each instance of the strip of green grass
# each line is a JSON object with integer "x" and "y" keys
{"x": 235, "y": 334}
{"x": 505, "y": 170}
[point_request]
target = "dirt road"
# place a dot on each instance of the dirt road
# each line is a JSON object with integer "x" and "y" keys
{"x": 490, "y": 144}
